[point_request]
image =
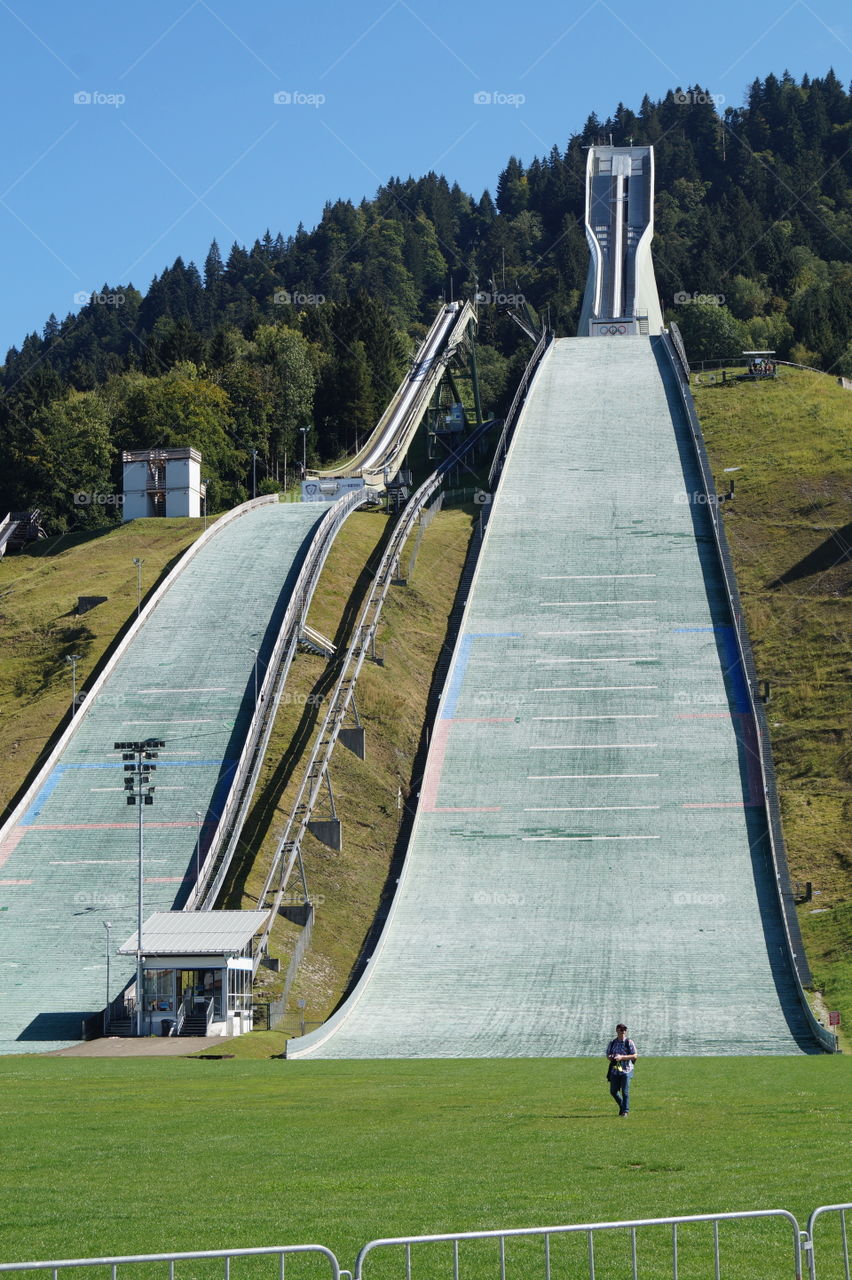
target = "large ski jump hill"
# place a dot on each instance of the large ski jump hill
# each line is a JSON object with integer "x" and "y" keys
{"x": 591, "y": 840}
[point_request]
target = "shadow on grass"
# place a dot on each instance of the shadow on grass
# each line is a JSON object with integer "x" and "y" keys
{"x": 834, "y": 551}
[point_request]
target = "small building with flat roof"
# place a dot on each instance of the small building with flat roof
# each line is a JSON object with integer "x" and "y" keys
{"x": 197, "y": 971}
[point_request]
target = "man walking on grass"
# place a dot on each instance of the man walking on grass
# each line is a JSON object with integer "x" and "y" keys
{"x": 622, "y": 1055}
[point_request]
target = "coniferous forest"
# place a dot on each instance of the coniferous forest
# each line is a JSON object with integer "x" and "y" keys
{"x": 753, "y": 213}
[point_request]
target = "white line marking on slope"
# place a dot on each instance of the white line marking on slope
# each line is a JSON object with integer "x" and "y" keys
{"x": 616, "y": 717}
{"x": 594, "y": 688}
{"x": 596, "y": 746}
{"x": 575, "y": 839}
{"x": 620, "y": 631}
{"x": 582, "y": 577}
{"x": 593, "y": 808}
{"x": 561, "y": 777}
{"x": 559, "y": 604}
{"x": 637, "y": 657}
{"x": 216, "y": 688}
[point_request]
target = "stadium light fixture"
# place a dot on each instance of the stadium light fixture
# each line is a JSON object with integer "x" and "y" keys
{"x": 139, "y": 791}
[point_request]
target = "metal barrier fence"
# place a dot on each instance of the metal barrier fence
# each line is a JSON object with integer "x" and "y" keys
{"x": 677, "y": 342}
{"x": 794, "y": 945}
{"x": 516, "y": 405}
{"x": 810, "y": 1244}
{"x": 642, "y": 1255}
{"x": 426, "y": 518}
{"x": 591, "y": 1231}
{"x": 281, "y": 1252}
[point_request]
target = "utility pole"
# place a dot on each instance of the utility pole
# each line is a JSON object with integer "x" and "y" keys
{"x": 256, "y": 653}
{"x": 73, "y": 658}
{"x": 139, "y": 563}
{"x": 108, "y": 927}
{"x": 139, "y": 791}
{"x": 198, "y": 816}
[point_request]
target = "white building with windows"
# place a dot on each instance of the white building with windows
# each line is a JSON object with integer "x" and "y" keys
{"x": 197, "y": 971}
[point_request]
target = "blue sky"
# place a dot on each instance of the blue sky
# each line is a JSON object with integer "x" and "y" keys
{"x": 181, "y": 139}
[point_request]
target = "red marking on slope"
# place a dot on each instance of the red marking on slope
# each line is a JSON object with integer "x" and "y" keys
{"x": 754, "y": 795}
{"x": 483, "y": 720}
{"x": 495, "y": 808}
{"x": 717, "y": 804}
{"x": 102, "y": 826}
{"x": 7, "y": 882}
{"x": 434, "y": 766}
{"x": 11, "y": 843}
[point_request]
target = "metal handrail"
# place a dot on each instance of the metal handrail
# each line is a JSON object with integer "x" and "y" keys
{"x": 240, "y": 794}
{"x": 797, "y": 957}
{"x": 344, "y": 688}
{"x": 514, "y": 409}
{"x": 677, "y": 340}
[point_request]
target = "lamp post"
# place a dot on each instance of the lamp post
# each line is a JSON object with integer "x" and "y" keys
{"x": 304, "y": 431}
{"x": 139, "y": 791}
{"x": 139, "y": 563}
{"x": 73, "y": 658}
{"x": 108, "y": 927}
{"x": 256, "y": 653}
{"x": 198, "y": 816}
{"x": 254, "y": 473}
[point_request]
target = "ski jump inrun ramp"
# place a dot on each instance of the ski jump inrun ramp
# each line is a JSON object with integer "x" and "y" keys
{"x": 591, "y": 840}
{"x": 68, "y": 855}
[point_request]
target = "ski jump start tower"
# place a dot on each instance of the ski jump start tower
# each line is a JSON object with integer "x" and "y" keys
{"x": 621, "y": 291}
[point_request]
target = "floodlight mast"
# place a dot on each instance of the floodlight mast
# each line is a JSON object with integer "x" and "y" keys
{"x": 139, "y": 791}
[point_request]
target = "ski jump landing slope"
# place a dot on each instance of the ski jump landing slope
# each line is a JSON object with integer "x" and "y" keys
{"x": 68, "y": 863}
{"x": 590, "y": 845}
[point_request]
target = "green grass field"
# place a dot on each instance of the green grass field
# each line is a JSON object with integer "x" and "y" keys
{"x": 124, "y": 1156}
{"x": 788, "y": 446}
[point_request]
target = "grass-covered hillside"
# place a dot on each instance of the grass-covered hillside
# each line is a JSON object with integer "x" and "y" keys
{"x": 788, "y": 446}
{"x": 372, "y": 797}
